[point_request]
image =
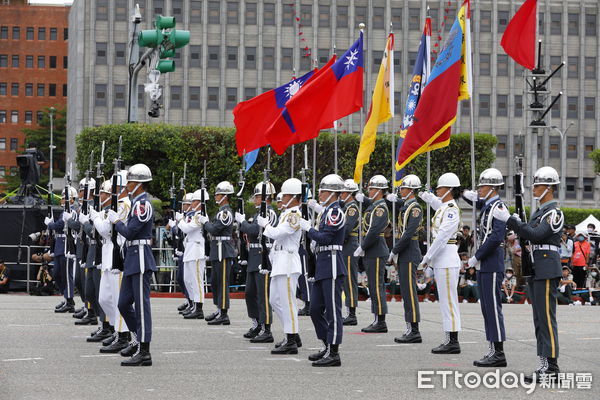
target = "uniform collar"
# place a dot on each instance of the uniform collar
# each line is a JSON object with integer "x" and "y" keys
{"x": 139, "y": 197}
{"x": 382, "y": 200}
{"x": 548, "y": 204}
{"x": 336, "y": 203}
{"x": 224, "y": 206}
{"x": 490, "y": 201}
{"x": 409, "y": 201}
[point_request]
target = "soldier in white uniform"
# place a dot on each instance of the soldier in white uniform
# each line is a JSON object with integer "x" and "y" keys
{"x": 443, "y": 256}
{"x": 286, "y": 265}
{"x": 194, "y": 259}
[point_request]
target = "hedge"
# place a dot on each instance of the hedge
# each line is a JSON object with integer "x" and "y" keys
{"x": 573, "y": 216}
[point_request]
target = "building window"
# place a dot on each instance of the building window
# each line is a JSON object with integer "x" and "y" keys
{"x": 571, "y": 189}
{"x": 65, "y": 34}
{"x": 2, "y": 116}
{"x": 29, "y": 34}
{"x": 121, "y": 10}
{"x": 342, "y": 16}
{"x": 14, "y": 144}
{"x": 269, "y": 58}
{"x": 573, "y": 24}
{"x": 52, "y": 90}
{"x": 378, "y": 18}
{"x": 232, "y": 57}
{"x": 53, "y": 62}
{"x": 556, "y": 107}
{"x": 306, "y": 14}
{"x": 287, "y": 58}
{"x": 28, "y": 117}
{"x": 65, "y": 62}
{"x": 518, "y": 105}
{"x": 360, "y": 15}
{"x": 588, "y": 144}
{"x": 3, "y": 61}
{"x": 571, "y": 147}
{"x": 16, "y": 34}
{"x": 572, "y": 111}
{"x": 590, "y": 108}
{"x": 41, "y": 90}
{"x": 249, "y": 93}
{"x": 231, "y": 100}
{"x": 194, "y": 94}
{"x": 41, "y": 33}
{"x": 573, "y": 67}
{"x": 485, "y": 21}
{"x": 102, "y": 10}
{"x": 502, "y": 20}
{"x": 555, "y": 61}
{"x": 175, "y": 97}
{"x": 501, "y": 146}
{"x": 15, "y": 61}
{"x": 323, "y": 56}
{"x": 233, "y": 12}
{"x": 196, "y": 11}
{"x": 484, "y": 64}
{"x": 14, "y": 89}
{"x": 39, "y": 116}
{"x": 324, "y": 14}
{"x": 250, "y": 62}
{"x": 64, "y": 90}
{"x": 590, "y": 68}
{"x": 53, "y": 34}
{"x": 3, "y": 88}
{"x": 414, "y": 19}
{"x": 541, "y": 23}
{"x": 101, "y": 53}
{"x": 41, "y": 62}
{"x": 214, "y": 12}
{"x": 195, "y": 56}
{"x": 119, "y": 96}
{"x": 120, "y": 49}
{"x": 100, "y": 95}
{"x": 588, "y": 188}
{"x": 213, "y": 98}
{"x": 555, "y": 23}
{"x": 465, "y": 108}
{"x": 484, "y": 105}
{"x": 396, "y": 18}
{"x": 502, "y": 64}
{"x": 214, "y": 56}
{"x": 4, "y": 32}
{"x": 14, "y": 116}
{"x": 250, "y": 14}
{"x": 159, "y": 6}
{"x": 2, "y": 168}
{"x": 590, "y": 24}
{"x": 554, "y": 146}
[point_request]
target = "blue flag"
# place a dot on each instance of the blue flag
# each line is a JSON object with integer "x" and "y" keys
{"x": 250, "y": 158}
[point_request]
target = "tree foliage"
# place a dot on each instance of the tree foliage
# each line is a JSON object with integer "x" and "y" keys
{"x": 595, "y": 155}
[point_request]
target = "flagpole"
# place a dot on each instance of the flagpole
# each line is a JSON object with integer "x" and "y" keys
{"x": 471, "y": 117}
{"x": 428, "y": 208}
{"x": 361, "y": 27}
{"x": 392, "y": 135}
{"x": 293, "y": 155}
{"x": 335, "y": 139}
{"x": 314, "y": 158}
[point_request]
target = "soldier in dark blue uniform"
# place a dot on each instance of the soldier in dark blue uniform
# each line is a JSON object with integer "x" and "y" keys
{"x": 326, "y": 297}
{"x": 351, "y": 232}
{"x": 543, "y": 231}
{"x": 139, "y": 265}
{"x": 222, "y": 253}
{"x": 490, "y": 257}
{"x": 406, "y": 254}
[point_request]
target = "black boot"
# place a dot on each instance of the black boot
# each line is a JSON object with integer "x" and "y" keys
{"x": 61, "y": 304}
{"x": 197, "y": 313}
{"x": 330, "y": 359}
{"x": 89, "y": 319}
{"x": 187, "y": 308}
{"x": 265, "y": 335}
{"x": 305, "y": 311}
{"x": 494, "y": 358}
{"x": 223, "y": 319}
{"x": 80, "y": 313}
{"x": 119, "y": 343}
{"x": 141, "y": 358}
{"x": 183, "y": 306}
{"x": 288, "y": 347}
{"x": 298, "y": 342}
{"x": 254, "y": 330}
{"x": 106, "y": 332}
{"x": 412, "y": 334}
{"x": 450, "y": 345}
{"x": 320, "y": 354}
{"x": 108, "y": 341}
{"x": 68, "y": 307}
{"x": 378, "y": 326}
{"x": 212, "y": 316}
{"x": 351, "y": 318}
{"x": 131, "y": 348}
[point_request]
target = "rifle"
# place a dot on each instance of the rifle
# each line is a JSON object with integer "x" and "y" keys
{"x": 243, "y": 255}
{"x": 84, "y": 210}
{"x": 70, "y": 242}
{"x": 179, "y": 206}
{"x": 50, "y": 214}
{"x": 265, "y": 262}
{"x": 173, "y": 198}
{"x": 309, "y": 261}
{"x": 117, "y": 258}
{"x": 527, "y": 266}
{"x": 99, "y": 180}
{"x": 203, "y": 210}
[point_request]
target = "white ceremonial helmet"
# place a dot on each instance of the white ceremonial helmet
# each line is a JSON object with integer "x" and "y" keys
{"x": 332, "y": 183}
{"x": 449, "y": 180}
{"x": 139, "y": 173}
{"x": 291, "y": 186}
{"x": 187, "y": 199}
{"x": 197, "y": 195}
{"x": 91, "y": 184}
{"x": 224, "y": 188}
{"x": 279, "y": 197}
{"x": 270, "y": 189}
{"x": 491, "y": 177}
{"x": 410, "y": 182}
{"x": 378, "y": 182}
{"x": 73, "y": 193}
{"x": 546, "y": 176}
{"x": 350, "y": 186}
{"x": 106, "y": 186}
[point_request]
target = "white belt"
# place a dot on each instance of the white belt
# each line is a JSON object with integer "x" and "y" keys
{"x": 279, "y": 247}
{"x": 329, "y": 248}
{"x": 545, "y": 247}
{"x": 138, "y": 242}
{"x": 258, "y": 245}
{"x": 60, "y": 235}
{"x": 92, "y": 241}
{"x": 222, "y": 238}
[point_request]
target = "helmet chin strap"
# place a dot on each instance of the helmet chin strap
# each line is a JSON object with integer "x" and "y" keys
{"x": 327, "y": 200}
{"x": 445, "y": 194}
{"x": 135, "y": 188}
{"x": 288, "y": 202}
{"x": 371, "y": 198}
{"x": 487, "y": 195}
{"x": 104, "y": 202}
{"x": 407, "y": 196}
{"x": 539, "y": 198}
{"x": 222, "y": 198}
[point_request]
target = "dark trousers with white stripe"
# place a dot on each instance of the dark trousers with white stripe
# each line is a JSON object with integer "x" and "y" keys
{"x": 543, "y": 293}
{"x": 305, "y": 287}
{"x": 257, "y": 297}
{"x": 57, "y": 272}
{"x": 179, "y": 277}
{"x": 66, "y": 272}
{"x": 375, "y": 267}
{"x": 134, "y": 305}
{"x": 407, "y": 273}
{"x": 80, "y": 278}
{"x": 351, "y": 283}
{"x": 490, "y": 288}
{"x": 326, "y": 309}
{"x": 219, "y": 282}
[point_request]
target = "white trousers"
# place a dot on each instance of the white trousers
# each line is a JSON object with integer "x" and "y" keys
{"x": 283, "y": 300}
{"x": 193, "y": 278}
{"x": 108, "y": 298}
{"x": 446, "y": 280}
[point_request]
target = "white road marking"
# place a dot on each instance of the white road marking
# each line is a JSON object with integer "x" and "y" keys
{"x": 231, "y": 332}
{"x": 526, "y": 340}
{"x": 589, "y": 338}
{"x": 23, "y": 359}
{"x": 392, "y": 345}
{"x": 32, "y": 326}
{"x": 99, "y": 355}
{"x": 180, "y": 352}
{"x": 284, "y": 359}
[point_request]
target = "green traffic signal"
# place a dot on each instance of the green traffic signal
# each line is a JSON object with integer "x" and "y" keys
{"x": 164, "y": 22}
{"x": 179, "y": 38}
{"x": 165, "y": 66}
{"x": 166, "y": 39}
{"x": 150, "y": 38}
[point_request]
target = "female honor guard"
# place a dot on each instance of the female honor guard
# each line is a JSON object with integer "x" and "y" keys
{"x": 443, "y": 256}
{"x": 543, "y": 231}
{"x": 407, "y": 256}
{"x": 194, "y": 259}
{"x": 221, "y": 253}
{"x": 139, "y": 263}
{"x": 350, "y": 207}
{"x": 178, "y": 256}
{"x": 285, "y": 263}
{"x": 490, "y": 256}
{"x": 326, "y": 297}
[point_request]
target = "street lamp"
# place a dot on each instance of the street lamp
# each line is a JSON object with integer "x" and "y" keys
{"x": 563, "y": 160}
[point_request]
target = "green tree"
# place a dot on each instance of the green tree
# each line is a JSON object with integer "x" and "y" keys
{"x": 595, "y": 155}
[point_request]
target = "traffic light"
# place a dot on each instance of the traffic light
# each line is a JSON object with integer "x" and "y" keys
{"x": 165, "y": 39}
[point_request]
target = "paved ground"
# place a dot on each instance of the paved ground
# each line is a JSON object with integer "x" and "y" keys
{"x": 44, "y": 356}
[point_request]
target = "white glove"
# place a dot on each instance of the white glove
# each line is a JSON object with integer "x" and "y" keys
{"x": 83, "y": 218}
{"x": 360, "y": 197}
{"x": 501, "y": 213}
{"x": 470, "y": 195}
{"x": 425, "y": 261}
{"x": 66, "y": 216}
{"x": 359, "y": 252}
{"x": 94, "y": 214}
{"x": 313, "y": 246}
{"x": 178, "y": 253}
{"x": 304, "y": 224}
{"x": 421, "y": 286}
{"x": 203, "y": 219}
{"x": 315, "y": 206}
{"x": 262, "y": 221}
{"x": 472, "y": 261}
{"x": 392, "y": 197}
{"x": 178, "y": 216}
{"x": 516, "y": 216}
{"x": 113, "y": 216}
{"x": 392, "y": 258}
{"x": 426, "y": 196}
{"x": 239, "y": 218}
{"x": 115, "y": 271}
{"x": 47, "y": 221}
{"x": 171, "y": 223}
{"x": 263, "y": 271}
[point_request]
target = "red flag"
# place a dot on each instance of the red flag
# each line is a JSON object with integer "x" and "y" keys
{"x": 520, "y": 35}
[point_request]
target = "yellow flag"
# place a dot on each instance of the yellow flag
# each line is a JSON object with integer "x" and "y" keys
{"x": 466, "y": 69}
{"x": 382, "y": 106}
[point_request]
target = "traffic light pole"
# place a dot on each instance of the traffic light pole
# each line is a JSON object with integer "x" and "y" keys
{"x": 134, "y": 60}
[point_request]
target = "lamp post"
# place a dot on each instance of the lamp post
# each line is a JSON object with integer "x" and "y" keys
{"x": 563, "y": 160}
{"x": 51, "y": 110}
